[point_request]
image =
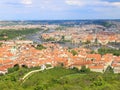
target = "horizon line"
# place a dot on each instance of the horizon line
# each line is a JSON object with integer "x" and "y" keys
{"x": 59, "y": 19}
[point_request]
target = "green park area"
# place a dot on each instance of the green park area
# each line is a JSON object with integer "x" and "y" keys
{"x": 60, "y": 78}
{"x": 12, "y": 34}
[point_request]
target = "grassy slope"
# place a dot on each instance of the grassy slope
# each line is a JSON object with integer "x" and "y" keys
{"x": 12, "y": 81}
{"x": 46, "y": 78}
{"x": 60, "y": 79}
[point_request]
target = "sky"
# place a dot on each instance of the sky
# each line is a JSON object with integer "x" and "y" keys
{"x": 59, "y": 9}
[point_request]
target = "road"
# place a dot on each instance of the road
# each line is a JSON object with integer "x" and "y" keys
{"x": 31, "y": 72}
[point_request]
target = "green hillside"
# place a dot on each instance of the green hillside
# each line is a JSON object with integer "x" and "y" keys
{"x": 12, "y": 34}
{"x": 60, "y": 78}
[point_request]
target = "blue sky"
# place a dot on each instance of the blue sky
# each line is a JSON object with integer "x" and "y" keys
{"x": 59, "y": 9}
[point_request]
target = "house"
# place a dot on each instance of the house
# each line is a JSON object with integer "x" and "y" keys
{"x": 93, "y": 57}
{"x": 3, "y": 70}
{"x": 43, "y": 67}
{"x": 116, "y": 64}
{"x": 97, "y": 68}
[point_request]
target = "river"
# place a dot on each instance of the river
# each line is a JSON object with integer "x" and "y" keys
{"x": 36, "y": 37}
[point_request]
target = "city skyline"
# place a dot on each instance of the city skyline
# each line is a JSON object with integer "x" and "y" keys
{"x": 59, "y": 10}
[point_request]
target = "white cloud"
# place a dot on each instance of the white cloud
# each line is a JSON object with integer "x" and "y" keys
{"x": 92, "y": 3}
{"x": 75, "y": 2}
{"x": 52, "y": 5}
{"x": 27, "y": 2}
{"x": 117, "y": 4}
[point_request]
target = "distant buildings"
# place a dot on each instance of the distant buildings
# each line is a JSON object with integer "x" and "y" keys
{"x": 86, "y": 33}
{"x": 28, "y": 26}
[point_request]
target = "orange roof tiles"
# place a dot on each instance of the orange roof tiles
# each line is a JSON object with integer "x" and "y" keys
{"x": 94, "y": 56}
{"x": 96, "y": 67}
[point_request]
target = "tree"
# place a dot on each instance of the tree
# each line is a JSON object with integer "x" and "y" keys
{"x": 87, "y": 42}
{"x": 41, "y": 87}
{"x": 1, "y": 44}
{"x": 15, "y": 68}
{"x": 40, "y": 47}
{"x": 96, "y": 40}
{"x": 63, "y": 38}
{"x": 84, "y": 69}
{"x": 74, "y": 52}
{"x": 109, "y": 70}
{"x": 99, "y": 81}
